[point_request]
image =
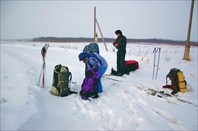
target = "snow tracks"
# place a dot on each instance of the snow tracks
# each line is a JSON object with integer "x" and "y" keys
{"x": 17, "y": 92}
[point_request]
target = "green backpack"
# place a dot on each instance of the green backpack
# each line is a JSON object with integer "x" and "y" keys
{"x": 61, "y": 81}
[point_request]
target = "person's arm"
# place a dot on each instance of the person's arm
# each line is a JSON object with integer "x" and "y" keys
{"x": 115, "y": 43}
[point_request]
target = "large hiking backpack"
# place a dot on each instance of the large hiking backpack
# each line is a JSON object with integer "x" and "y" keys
{"x": 92, "y": 47}
{"x": 89, "y": 85}
{"x": 61, "y": 81}
{"x": 178, "y": 81}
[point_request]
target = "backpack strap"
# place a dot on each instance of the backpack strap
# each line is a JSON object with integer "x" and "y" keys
{"x": 56, "y": 67}
{"x": 58, "y": 88}
{"x": 70, "y": 76}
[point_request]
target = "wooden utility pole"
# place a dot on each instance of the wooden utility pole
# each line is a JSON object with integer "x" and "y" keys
{"x": 187, "y": 46}
{"x": 95, "y": 34}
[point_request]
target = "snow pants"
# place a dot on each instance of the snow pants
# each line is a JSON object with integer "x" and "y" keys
{"x": 102, "y": 70}
{"x": 121, "y": 62}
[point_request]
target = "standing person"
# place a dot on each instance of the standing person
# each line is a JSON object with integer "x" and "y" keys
{"x": 120, "y": 44}
{"x": 97, "y": 63}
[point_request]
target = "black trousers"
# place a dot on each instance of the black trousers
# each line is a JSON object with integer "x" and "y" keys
{"x": 121, "y": 61}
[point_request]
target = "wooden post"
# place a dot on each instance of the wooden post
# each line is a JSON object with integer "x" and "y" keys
{"x": 95, "y": 35}
{"x": 187, "y": 46}
{"x": 101, "y": 35}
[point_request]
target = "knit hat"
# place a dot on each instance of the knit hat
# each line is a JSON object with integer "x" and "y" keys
{"x": 82, "y": 56}
{"x": 118, "y": 32}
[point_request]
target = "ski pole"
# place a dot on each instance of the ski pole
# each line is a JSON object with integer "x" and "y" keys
{"x": 158, "y": 62}
{"x": 154, "y": 51}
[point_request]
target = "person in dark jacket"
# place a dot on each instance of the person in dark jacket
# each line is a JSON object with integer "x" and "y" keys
{"x": 120, "y": 44}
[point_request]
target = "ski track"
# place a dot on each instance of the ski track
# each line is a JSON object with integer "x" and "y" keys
{"x": 17, "y": 101}
{"x": 119, "y": 107}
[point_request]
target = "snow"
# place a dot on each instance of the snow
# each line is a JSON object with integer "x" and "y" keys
{"x": 122, "y": 105}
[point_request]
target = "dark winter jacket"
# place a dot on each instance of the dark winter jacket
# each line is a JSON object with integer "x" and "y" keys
{"x": 122, "y": 41}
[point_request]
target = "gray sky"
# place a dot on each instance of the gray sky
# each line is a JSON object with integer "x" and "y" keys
{"x": 136, "y": 19}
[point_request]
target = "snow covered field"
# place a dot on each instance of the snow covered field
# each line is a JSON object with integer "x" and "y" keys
{"x": 122, "y": 105}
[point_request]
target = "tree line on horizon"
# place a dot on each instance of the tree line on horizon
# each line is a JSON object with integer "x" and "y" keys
{"x": 83, "y": 39}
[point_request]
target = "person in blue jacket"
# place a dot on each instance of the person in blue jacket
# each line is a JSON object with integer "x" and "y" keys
{"x": 97, "y": 63}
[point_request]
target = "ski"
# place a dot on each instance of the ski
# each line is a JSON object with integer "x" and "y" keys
{"x": 175, "y": 96}
{"x": 114, "y": 75}
{"x": 109, "y": 77}
{"x": 162, "y": 94}
{"x": 112, "y": 79}
{"x": 43, "y": 78}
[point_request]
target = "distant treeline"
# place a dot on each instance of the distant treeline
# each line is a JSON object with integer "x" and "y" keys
{"x": 82, "y": 39}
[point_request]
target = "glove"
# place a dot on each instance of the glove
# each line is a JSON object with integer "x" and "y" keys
{"x": 115, "y": 44}
{"x": 89, "y": 74}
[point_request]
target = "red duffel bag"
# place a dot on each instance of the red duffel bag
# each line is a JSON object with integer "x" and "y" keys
{"x": 132, "y": 62}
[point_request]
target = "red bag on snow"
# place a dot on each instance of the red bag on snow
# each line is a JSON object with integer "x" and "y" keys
{"x": 132, "y": 62}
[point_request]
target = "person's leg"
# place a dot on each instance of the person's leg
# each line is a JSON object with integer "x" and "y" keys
{"x": 122, "y": 63}
{"x": 102, "y": 71}
{"x": 99, "y": 87}
{"x": 118, "y": 62}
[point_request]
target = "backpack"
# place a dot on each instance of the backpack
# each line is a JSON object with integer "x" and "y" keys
{"x": 61, "y": 81}
{"x": 92, "y": 47}
{"x": 89, "y": 85}
{"x": 178, "y": 81}
{"x": 131, "y": 65}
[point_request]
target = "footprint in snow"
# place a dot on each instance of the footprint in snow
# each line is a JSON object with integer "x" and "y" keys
{"x": 80, "y": 110}
{"x": 139, "y": 121}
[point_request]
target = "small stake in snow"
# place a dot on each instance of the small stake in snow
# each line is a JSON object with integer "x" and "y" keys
{"x": 156, "y": 63}
{"x": 43, "y": 53}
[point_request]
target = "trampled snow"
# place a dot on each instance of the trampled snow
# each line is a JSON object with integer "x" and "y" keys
{"x": 122, "y": 105}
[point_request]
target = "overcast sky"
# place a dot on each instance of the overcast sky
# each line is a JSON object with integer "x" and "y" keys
{"x": 137, "y": 19}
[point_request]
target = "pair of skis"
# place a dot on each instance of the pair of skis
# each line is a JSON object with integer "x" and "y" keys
{"x": 162, "y": 94}
{"x": 150, "y": 91}
{"x": 170, "y": 95}
{"x": 42, "y": 73}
